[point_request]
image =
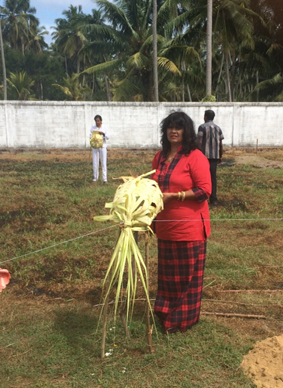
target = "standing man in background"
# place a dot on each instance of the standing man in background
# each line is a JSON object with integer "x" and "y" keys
{"x": 210, "y": 141}
{"x": 100, "y": 153}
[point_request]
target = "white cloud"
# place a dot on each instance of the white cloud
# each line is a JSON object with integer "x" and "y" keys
{"x": 62, "y": 4}
{"x": 49, "y": 10}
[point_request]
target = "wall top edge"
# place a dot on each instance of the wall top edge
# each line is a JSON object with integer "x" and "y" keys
{"x": 149, "y": 104}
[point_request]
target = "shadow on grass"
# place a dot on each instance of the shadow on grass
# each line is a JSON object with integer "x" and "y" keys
{"x": 80, "y": 331}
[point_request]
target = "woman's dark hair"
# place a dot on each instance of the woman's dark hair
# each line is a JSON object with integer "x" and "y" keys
{"x": 98, "y": 117}
{"x": 182, "y": 121}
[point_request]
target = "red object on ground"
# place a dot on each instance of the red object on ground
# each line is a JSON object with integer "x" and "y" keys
{"x": 4, "y": 278}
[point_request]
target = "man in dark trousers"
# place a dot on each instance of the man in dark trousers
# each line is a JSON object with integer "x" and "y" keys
{"x": 210, "y": 140}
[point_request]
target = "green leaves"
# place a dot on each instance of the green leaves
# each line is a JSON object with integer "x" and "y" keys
{"x": 73, "y": 89}
{"x": 22, "y": 83}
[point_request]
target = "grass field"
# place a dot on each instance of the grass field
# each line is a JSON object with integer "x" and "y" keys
{"x": 57, "y": 257}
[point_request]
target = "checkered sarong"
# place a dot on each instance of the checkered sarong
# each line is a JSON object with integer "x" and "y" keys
{"x": 180, "y": 279}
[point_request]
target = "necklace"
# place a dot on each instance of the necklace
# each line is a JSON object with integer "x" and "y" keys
{"x": 170, "y": 158}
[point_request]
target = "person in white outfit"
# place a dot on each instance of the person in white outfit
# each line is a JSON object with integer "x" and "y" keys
{"x": 100, "y": 153}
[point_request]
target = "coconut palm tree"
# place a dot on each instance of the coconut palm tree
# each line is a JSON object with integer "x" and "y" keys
{"x": 186, "y": 58}
{"x": 22, "y": 84}
{"x": 232, "y": 31}
{"x": 18, "y": 19}
{"x": 265, "y": 64}
{"x": 73, "y": 89}
{"x": 69, "y": 36}
{"x": 130, "y": 30}
{"x": 36, "y": 41}
{"x": 100, "y": 47}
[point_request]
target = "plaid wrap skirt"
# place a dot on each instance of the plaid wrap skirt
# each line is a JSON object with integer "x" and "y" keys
{"x": 180, "y": 281}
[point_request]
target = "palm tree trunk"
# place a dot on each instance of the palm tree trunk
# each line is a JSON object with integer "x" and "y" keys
{"x": 220, "y": 74}
{"x": 233, "y": 75}
{"x": 154, "y": 34}
{"x": 107, "y": 83}
{"x": 3, "y": 64}
{"x": 22, "y": 45}
{"x": 257, "y": 82}
{"x": 183, "y": 68}
{"x": 107, "y": 88}
{"x": 209, "y": 48}
{"x": 228, "y": 77}
{"x": 41, "y": 91}
{"x": 78, "y": 64}
{"x": 93, "y": 83}
{"x": 66, "y": 64}
{"x": 189, "y": 92}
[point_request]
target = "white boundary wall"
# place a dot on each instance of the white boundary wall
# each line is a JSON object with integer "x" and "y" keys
{"x": 45, "y": 124}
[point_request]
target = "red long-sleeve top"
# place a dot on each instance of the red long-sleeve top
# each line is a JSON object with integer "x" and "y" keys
{"x": 186, "y": 220}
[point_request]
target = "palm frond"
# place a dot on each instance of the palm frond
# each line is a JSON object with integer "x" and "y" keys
{"x": 274, "y": 81}
{"x": 274, "y": 48}
{"x": 168, "y": 65}
{"x": 106, "y": 66}
{"x": 137, "y": 60}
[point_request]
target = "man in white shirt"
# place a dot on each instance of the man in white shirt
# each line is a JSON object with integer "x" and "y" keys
{"x": 100, "y": 153}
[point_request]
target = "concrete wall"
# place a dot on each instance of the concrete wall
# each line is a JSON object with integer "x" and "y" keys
{"x": 36, "y": 124}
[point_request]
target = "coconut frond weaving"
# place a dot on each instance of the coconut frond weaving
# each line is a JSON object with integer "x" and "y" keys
{"x": 96, "y": 140}
{"x": 135, "y": 205}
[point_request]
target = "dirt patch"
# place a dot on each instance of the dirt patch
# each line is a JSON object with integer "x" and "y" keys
{"x": 258, "y": 161}
{"x": 263, "y": 158}
{"x": 264, "y": 363}
{"x": 70, "y": 155}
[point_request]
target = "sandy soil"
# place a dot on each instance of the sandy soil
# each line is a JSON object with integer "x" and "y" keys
{"x": 264, "y": 363}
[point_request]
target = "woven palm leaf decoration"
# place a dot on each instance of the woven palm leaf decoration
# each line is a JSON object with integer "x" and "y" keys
{"x": 96, "y": 140}
{"x": 135, "y": 205}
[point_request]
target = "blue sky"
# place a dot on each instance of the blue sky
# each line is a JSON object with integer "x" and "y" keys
{"x": 49, "y": 10}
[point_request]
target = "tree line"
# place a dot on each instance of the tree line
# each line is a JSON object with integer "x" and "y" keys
{"x": 108, "y": 55}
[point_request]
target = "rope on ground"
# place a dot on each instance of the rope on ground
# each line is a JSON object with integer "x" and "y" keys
{"x": 56, "y": 245}
{"x": 224, "y": 219}
{"x": 113, "y": 226}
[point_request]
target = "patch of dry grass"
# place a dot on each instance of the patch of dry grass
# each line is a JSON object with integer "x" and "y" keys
{"x": 48, "y": 333}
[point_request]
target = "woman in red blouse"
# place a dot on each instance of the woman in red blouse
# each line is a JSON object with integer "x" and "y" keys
{"x": 182, "y": 228}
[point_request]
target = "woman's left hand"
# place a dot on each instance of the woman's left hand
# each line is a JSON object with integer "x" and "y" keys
{"x": 167, "y": 197}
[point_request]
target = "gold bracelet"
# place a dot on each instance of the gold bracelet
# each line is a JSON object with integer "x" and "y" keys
{"x": 179, "y": 195}
{"x": 183, "y": 195}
